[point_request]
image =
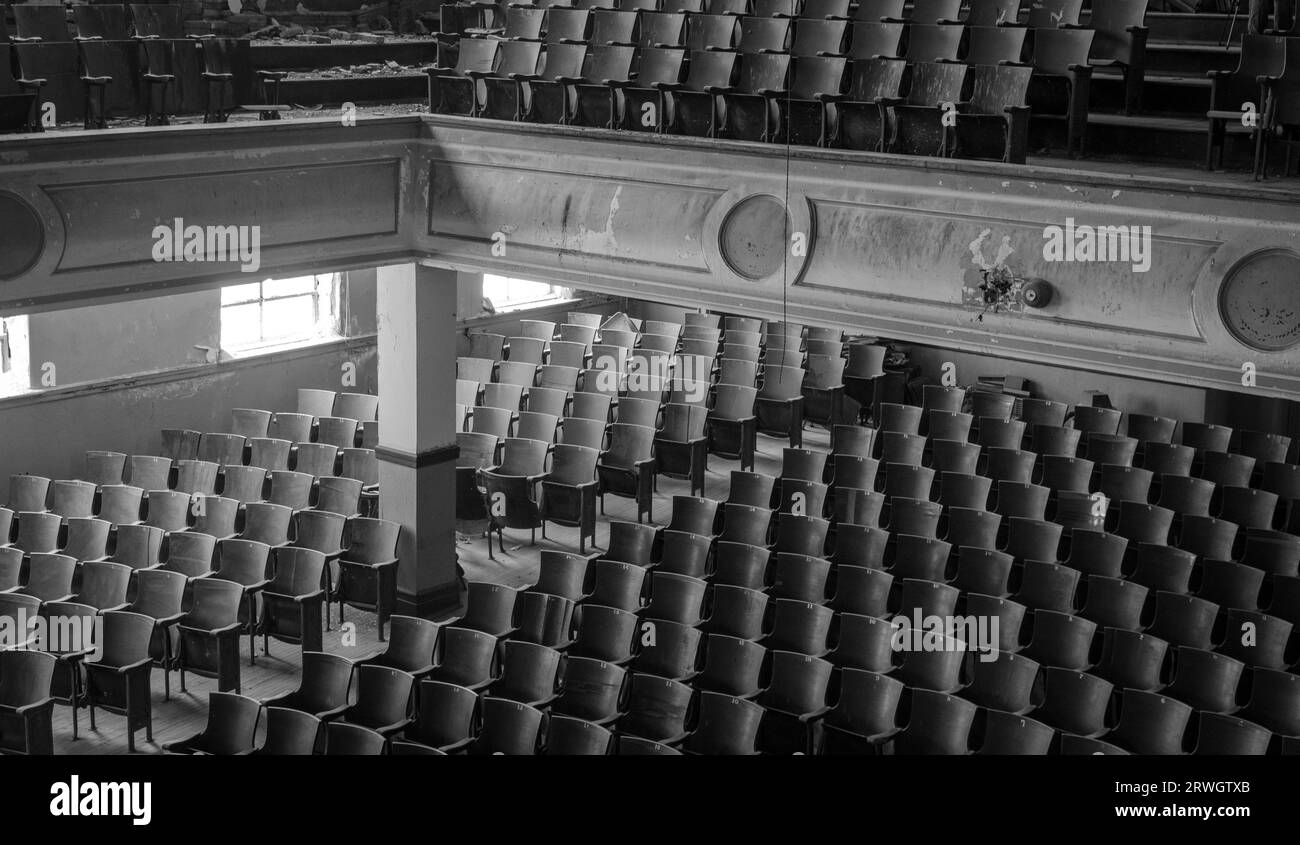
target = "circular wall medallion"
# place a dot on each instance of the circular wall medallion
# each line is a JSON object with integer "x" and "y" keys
{"x": 1260, "y": 300}
{"x": 753, "y": 237}
{"x": 22, "y": 237}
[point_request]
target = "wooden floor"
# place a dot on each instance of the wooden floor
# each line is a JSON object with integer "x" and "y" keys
{"x": 185, "y": 714}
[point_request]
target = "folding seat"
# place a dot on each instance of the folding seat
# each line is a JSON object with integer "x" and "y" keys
{"x": 1206, "y": 680}
{"x": 209, "y": 633}
{"x": 865, "y": 715}
{"x": 1207, "y": 537}
{"x": 385, "y": 700}
{"x": 992, "y": 44}
{"x": 618, "y": 584}
{"x": 687, "y": 554}
{"x": 906, "y": 481}
{"x": 507, "y": 396}
{"x": 936, "y": 724}
{"x": 657, "y": 709}
{"x": 295, "y": 428}
{"x": 994, "y": 433}
{"x": 1002, "y": 733}
{"x": 446, "y": 718}
{"x": 1143, "y": 523}
{"x": 914, "y": 516}
{"x": 926, "y": 598}
{"x": 337, "y": 431}
{"x": 669, "y": 650}
{"x": 1111, "y": 449}
{"x": 969, "y": 527}
{"x": 860, "y": 545}
{"x": 180, "y": 444}
{"x": 1076, "y": 702}
{"x": 983, "y": 571}
{"x": 705, "y": 348}
{"x": 530, "y": 673}
{"x": 28, "y": 493}
{"x": 1125, "y": 483}
{"x": 573, "y": 333}
{"x": 1032, "y": 540}
{"x": 37, "y": 532}
{"x": 855, "y": 472}
{"x": 520, "y": 374}
{"x": 1134, "y": 660}
{"x": 1054, "y": 440}
{"x": 731, "y": 666}
{"x": 801, "y": 578}
{"x": 468, "y": 395}
{"x": 878, "y": 10}
{"x": 510, "y": 488}
{"x": 1149, "y": 723}
{"x": 800, "y": 627}
{"x": 1230, "y": 584}
{"x": 455, "y": 90}
{"x": 1257, "y": 639}
{"x": 909, "y": 556}
{"x": 492, "y": 421}
{"x": 49, "y": 577}
{"x": 795, "y": 700}
{"x": 1009, "y": 465}
{"x": 1112, "y": 602}
{"x": 137, "y": 546}
{"x": 746, "y": 524}
{"x": 222, "y": 449}
{"x": 1149, "y": 429}
{"x": 899, "y": 419}
{"x": 778, "y": 406}
{"x": 267, "y": 454}
{"x": 947, "y": 425}
{"x": 565, "y": 353}
{"x": 1098, "y": 553}
{"x": 1183, "y": 620}
{"x": 959, "y": 490}
{"x": 853, "y": 506}
{"x": 1062, "y": 473}
{"x": 589, "y": 434}
{"x": 568, "y": 736}
{"x": 71, "y": 499}
{"x": 339, "y": 495}
{"x": 818, "y": 34}
{"x": 1060, "y": 639}
{"x": 1186, "y": 496}
{"x": 1226, "y": 469}
{"x": 694, "y": 515}
{"x": 1220, "y": 734}
{"x": 950, "y": 456}
{"x": 103, "y": 585}
{"x": 674, "y": 598}
{"x": 1247, "y": 507}
{"x": 1273, "y": 701}
{"x": 1264, "y": 447}
{"x": 466, "y": 657}
{"x": 992, "y": 406}
{"x": 87, "y": 539}
{"x": 1167, "y": 462}
{"x": 804, "y": 498}
{"x": 104, "y": 468}
{"x": 216, "y": 516}
{"x": 196, "y": 477}
{"x": 545, "y": 619}
{"x": 316, "y": 459}
{"x": 490, "y": 608}
{"x": 725, "y": 725}
{"x": 638, "y": 412}
{"x": 805, "y": 535}
{"x": 631, "y": 542}
{"x": 532, "y": 425}
{"x": 681, "y": 447}
{"x": 741, "y": 565}
{"x": 737, "y": 612}
{"x": 1275, "y": 552}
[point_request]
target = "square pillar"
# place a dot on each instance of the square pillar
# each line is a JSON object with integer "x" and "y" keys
{"x": 416, "y": 315}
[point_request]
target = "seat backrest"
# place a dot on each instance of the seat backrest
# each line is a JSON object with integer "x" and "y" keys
{"x": 613, "y": 27}
{"x": 876, "y": 39}
{"x": 932, "y": 11}
{"x": 49, "y": 24}
{"x": 566, "y": 24}
{"x": 812, "y": 37}
{"x": 998, "y": 86}
{"x": 1057, "y": 50}
{"x": 991, "y": 45}
{"x": 763, "y": 72}
{"x": 933, "y": 42}
{"x": 815, "y": 75}
{"x": 1112, "y": 20}
{"x": 660, "y": 28}
{"x": 990, "y": 13}
{"x": 873, "y": 78}
{"x": 713, "y": 68}
{"x": 1053, "y": 13}
{"x": 25, "y": 676}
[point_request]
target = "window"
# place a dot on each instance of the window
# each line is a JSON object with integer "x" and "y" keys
{"x": 15, "y": 368}
{"x": 506, "y": 293}
{"x": 276, "y": 312}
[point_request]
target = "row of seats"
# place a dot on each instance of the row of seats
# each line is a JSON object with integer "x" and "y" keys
{"x": 106, "y": 70}
{"x": 244, "y": 565}
{"x": 1139, "y": 662}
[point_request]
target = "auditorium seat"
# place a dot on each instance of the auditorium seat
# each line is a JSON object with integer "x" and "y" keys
{"x": 118, "y": 679}
{"x": 1130, "y": 659}
{"x": 209, "y": 633}
{"x": 231, "y": 727}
